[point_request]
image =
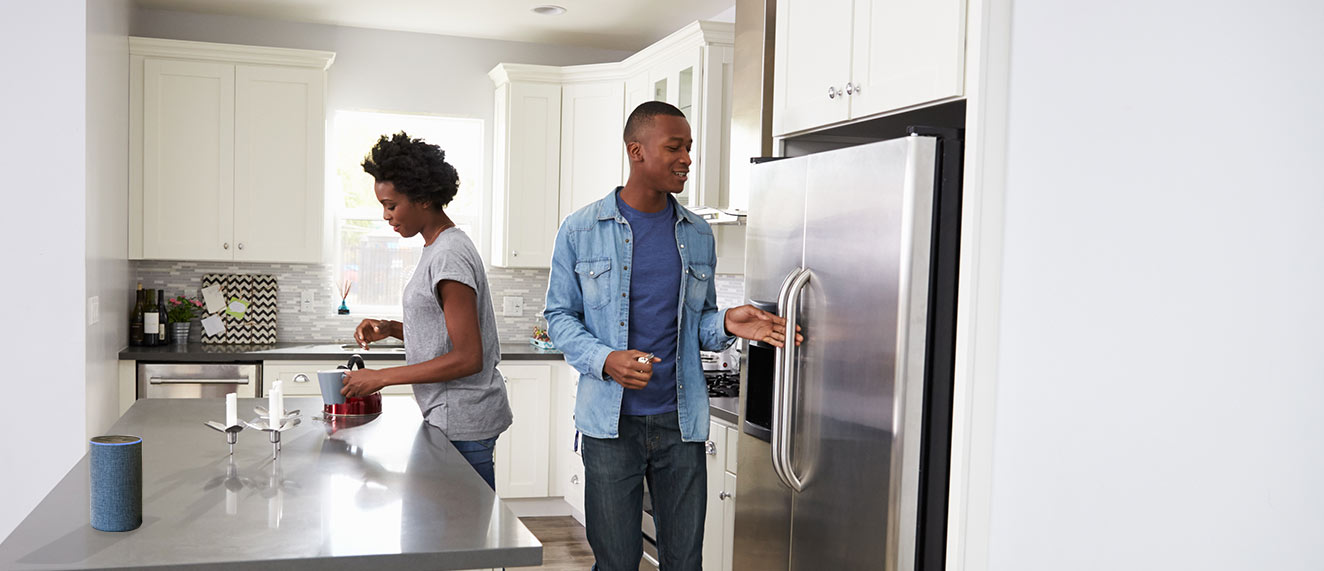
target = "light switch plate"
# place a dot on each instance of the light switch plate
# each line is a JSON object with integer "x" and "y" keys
{"x": 306, "y": 300}
{"x": 93, "y": 310}
{"x": 512, "y": 306}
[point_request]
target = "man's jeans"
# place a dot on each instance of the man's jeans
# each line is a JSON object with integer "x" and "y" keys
{"x": 614, "y": 469}
{"x": 479, "y": 455}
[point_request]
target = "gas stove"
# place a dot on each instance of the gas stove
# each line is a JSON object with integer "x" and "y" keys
{"x": 722, "y": 383}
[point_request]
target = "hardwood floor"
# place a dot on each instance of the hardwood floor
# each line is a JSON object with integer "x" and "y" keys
{"x": 564, "y": 543}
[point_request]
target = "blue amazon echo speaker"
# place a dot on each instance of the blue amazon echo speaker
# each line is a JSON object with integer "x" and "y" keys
{"x": 117, "y": 482}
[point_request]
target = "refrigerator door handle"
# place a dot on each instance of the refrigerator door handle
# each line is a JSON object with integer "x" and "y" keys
{"x": 778, "y": 378}
{"x": 784, "y": 393}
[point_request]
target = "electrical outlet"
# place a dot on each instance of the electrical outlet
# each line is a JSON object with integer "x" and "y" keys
{"x": 306, "y": 300}
{"x": 512, "y": 306}
{"x": 93, "y": 310}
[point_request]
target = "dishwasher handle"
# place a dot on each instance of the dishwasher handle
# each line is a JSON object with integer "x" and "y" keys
{"x": 174, "y": 381}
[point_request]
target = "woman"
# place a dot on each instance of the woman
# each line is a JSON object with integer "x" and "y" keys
{"x": 449, "y": 326}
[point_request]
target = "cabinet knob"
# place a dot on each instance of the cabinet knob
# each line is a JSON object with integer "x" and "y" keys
{"x": 852, "y": 88}
{"x": 225, "y": 246}
{"x": 574, "y": 479}
{"x": 241, "y": 245}
{"x": 300, "y": 378}
{"x": 723, "y": 495}
{"x": 710, "y": 448}
{"x": 514, "y": 253}
{"x": 833, "y": 92}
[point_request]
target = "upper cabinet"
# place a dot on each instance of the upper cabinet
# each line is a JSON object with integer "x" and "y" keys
{"x": 690, "y": 69}
{"x": 227, "y": 145}
{"x": 840, "y": 60}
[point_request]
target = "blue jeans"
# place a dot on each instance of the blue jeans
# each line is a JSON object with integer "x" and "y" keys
{"x": 479, "y": 455}
{"x": 614, "y": 471}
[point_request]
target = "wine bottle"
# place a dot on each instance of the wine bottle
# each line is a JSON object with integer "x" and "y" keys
{"x": 151, "y": 320}
{"x": 136, "y": 319}
{"x": 162, "y": 318}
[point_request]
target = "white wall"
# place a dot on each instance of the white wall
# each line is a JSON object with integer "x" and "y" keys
{"x": 379, "y": 70}
{"x": 43, "y": 237}
{"x": 1161, "y": 389}
{"x": 107, "y": 204}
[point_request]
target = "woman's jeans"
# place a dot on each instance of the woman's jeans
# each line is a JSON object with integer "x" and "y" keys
{"x": 479, "y": 455}
{"x": 615, "y": 468}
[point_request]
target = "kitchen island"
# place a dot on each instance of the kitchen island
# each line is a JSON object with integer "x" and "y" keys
{"x": 388, "y": 492}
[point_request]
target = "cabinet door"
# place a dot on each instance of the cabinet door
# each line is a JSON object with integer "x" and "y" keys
{"x": 907, "y": 52}
{"x": 188, "y": 160}
{"x": 279, "y": 154}
{"x": 813, "y": 55}
{"x": 728, "y": 520}
{"x": 521, "y": 451}
{"x": 526, "y": 198}
{"x": 713, "y": 527}
{"x": 592, "y": 118}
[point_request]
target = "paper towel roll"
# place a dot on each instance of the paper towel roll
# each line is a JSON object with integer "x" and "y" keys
{"x": 117, "y": 482}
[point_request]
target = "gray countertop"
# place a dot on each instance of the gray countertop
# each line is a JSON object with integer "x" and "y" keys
{"x": 391, "y": 493}
{"x": 217, "y": 353}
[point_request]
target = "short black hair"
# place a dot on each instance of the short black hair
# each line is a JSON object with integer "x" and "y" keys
{"x": 643, "y": 115}
{"x": 417, "y": 169}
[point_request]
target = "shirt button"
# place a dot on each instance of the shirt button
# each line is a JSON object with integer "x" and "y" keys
{"x": 682, "y": 246}
{"x": 622, "y": 324}
{"x": 623, "y": 295}
{"x": 626, "y": 267}
{"x": 627, "y": 240}
{"x": 590, "y": 273}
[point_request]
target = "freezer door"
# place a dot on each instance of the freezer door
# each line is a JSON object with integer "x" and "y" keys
{"x": 774, "y": 246}
{"x": 858, "y": 377}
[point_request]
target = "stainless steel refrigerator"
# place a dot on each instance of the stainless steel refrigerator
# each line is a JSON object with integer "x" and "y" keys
{"x": 844, "y": 442}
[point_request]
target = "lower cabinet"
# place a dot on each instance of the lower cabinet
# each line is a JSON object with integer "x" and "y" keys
{"x": 568, "y": 465}
{"x": 521, "y": 456}
{"x": 299, "y": 378}
{"x": 718, "y": 531}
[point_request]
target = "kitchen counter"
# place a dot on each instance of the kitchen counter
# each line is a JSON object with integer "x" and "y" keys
{"x": 725, "y": 409}
{"x": 390, "y": 493}
{"x": 217, "y": 353}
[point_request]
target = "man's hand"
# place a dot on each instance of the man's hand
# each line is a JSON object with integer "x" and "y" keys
{"x": 363, "y": 382}
{"x": 632, "y": 369}
{"x": 752, "y": 323}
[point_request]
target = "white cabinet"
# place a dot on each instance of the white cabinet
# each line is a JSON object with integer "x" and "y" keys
{"x": 728, "y": 499}
{"x": 526, "y": 177}
{"x": 521, "y": 455}
{"x": 299, "y": 378}
{"x": 226, "y": 152}
{"x": 838, "y": 60}
{"x": 592, "y": 119}
{"x": 713, "y": 528}
{"x": 568, "y": 470}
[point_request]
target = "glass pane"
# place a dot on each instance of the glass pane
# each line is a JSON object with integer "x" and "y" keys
{"x": 685, "y": 100}
{"x": 660, "y": 90}
{"x": 377, "y": 261}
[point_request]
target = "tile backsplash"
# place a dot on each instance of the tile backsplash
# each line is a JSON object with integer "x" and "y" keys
{"x": 322, "y": 324}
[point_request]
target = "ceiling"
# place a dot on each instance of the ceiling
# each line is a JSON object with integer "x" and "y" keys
{"x": 612, "y": 24}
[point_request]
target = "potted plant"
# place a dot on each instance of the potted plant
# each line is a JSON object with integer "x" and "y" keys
{"x": 181, "y": 310}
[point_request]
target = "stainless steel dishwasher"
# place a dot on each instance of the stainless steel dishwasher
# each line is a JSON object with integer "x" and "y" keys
{"x": 195, "y": 380}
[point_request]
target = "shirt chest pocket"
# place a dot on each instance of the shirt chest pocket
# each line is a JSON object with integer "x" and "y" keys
{"x": 698, "y": 278}
{"x": 595, "y": 282}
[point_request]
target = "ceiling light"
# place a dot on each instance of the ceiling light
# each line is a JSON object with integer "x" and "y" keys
{"x": 549, "y": 10}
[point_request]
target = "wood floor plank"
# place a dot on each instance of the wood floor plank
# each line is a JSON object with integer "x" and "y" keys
{"x": 564, "y": 543}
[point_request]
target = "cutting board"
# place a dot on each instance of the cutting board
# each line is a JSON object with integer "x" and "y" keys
{"x": 258, "y": 325}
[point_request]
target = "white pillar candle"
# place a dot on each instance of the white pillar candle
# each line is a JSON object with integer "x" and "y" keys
{"x": 276, "y": 406}
{"x": 231, "y": 410}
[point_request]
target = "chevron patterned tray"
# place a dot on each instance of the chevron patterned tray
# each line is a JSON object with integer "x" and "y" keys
{"x": 259, "y": 323}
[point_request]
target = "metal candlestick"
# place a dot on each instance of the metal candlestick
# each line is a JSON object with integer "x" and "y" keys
{"x": 231, "y": 432}
{"x": 273, "y": 428}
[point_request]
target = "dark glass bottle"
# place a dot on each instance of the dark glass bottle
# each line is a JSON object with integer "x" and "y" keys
{"x": 151, "y": 320}
{"x": 136, "y": 319}
{"x": 161, "y": 338}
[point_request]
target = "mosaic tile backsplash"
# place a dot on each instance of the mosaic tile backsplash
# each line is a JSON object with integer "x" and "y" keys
{"x": 322, "y": 324}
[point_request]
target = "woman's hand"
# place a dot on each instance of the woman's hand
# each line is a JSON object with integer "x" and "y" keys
{"x": 370, "y": 330}
{"x": 755, "y": 324}
{"x": 363, "y": 382}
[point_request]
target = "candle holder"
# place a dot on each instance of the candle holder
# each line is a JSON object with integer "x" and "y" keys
{"x": 231, "y": 432}
{"x": 273, "y": 429}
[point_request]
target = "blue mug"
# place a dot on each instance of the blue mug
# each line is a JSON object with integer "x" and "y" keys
{"x": 331, "y": 382}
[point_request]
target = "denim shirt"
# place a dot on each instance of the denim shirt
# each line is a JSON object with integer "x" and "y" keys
{"x": 588, "y": 312}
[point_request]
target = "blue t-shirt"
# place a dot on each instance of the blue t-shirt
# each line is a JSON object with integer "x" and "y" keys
{"x": 654, "y": 305}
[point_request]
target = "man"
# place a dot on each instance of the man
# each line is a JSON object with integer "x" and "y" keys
{"x": 631, "y": 300}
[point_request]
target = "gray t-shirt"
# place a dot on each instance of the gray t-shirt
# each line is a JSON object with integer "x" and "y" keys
{"x": 468, "y": 408}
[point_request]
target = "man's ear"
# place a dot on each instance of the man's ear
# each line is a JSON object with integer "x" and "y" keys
{"x": 635, "y": 151}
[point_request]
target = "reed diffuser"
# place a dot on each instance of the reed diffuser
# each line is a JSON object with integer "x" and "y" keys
{"x": 344, "y": 294}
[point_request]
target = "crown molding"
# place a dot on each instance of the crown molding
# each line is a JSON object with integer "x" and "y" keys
{"x": 230, "y": 53}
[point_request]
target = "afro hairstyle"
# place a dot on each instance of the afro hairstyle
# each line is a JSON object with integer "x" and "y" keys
{"x": 416, "y": 168}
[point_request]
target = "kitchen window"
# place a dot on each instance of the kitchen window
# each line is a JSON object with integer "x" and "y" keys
{"x": 376, "y": 260}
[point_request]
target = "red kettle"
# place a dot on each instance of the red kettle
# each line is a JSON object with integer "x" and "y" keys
{"x": 355, "y": 406}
